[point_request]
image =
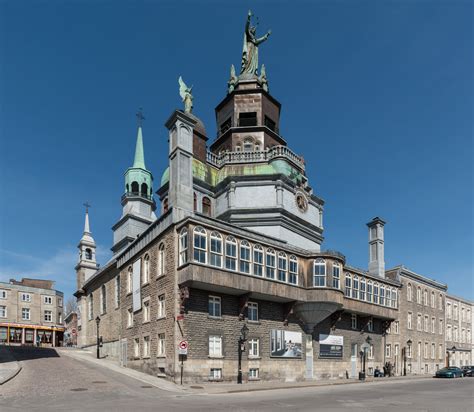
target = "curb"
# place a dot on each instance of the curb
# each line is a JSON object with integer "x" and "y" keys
{"x": 9, "y": 378}
{"x": 10, "y": 357}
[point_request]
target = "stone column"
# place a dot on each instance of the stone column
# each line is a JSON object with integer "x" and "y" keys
{"x": 34, "y": 336}
{"x": 22, "y": 336}
{"x": 54, "y": 338}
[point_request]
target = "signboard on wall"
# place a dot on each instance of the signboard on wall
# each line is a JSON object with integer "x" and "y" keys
{"x": 285, "y": 344}
{"x": 137, "y": 299}
{"x": 331, "y": 346}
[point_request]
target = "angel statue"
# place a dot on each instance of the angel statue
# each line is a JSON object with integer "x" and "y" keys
{"x": 232, "y": 81}
{"x": 185, "y": 93}
{"x": 250, "y": 48}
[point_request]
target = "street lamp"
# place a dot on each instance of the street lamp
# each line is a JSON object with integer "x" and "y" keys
{"x": 97, "y": 321}
{"x": 405, "y": 357}
{"x": 242, "y": 339}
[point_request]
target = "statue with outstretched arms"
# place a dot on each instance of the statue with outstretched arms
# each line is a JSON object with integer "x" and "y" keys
{"x": 250, "y": 48}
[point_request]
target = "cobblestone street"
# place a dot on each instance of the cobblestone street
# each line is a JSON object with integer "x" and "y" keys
{"x": 51, "y": 381}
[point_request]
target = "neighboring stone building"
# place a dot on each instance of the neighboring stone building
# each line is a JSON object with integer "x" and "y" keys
{"x": 459, "y": 330}
{"x": 31, "y": 312}
{"x": 238, "y": 243}
{"x": 70, "y": 333}
{"x": 418, "y": 333}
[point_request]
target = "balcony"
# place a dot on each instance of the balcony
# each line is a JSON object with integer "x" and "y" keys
{"x": 237, "y": 157}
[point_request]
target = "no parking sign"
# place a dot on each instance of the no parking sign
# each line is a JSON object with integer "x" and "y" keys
{"x": 183, "y": 347}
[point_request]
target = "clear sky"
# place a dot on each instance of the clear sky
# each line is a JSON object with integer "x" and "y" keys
{"x": 376, "y": 95}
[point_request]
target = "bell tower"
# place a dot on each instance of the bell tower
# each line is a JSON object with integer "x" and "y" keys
{"x": 138, "y": 205}
{"x": 87, "y": 264}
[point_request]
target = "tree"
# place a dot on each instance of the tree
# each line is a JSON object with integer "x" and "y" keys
{"x": 71, "y": 305}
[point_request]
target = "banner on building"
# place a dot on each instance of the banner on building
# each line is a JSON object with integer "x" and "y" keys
{"x": 331, "y": 346}
{"x": 136, "y": 275}
{"x": 285, "y": 344}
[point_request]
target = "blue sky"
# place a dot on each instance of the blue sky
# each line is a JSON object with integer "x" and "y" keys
{"x": 377, "y": 96}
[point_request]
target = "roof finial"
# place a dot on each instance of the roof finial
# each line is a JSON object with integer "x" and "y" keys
{"x": 87, "y": 206}
{"x": 86, "y": 221}
{"x": 140, "y": 116}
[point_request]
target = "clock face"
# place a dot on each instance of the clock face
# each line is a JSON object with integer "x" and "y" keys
{"x": 301, "y": 202}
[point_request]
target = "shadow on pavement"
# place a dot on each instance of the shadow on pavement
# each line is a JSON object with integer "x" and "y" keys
{"x": 22, "y": 353}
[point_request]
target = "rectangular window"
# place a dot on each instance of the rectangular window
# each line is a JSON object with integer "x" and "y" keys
{"x": 146, "y": 346}
{"x": 252, "y": 311}
{"x": 136, "y": 347}
{"x": 161, "y": 306}
{"x": 248, "y": 119}
{"x": 254, "y": 348}
{"x": 293, "y": 270}
{"x": 25, "y": 313}
{"x": 425, "y": 351}
{"x": 369, "y": 292}
{"x": 3, "y": 311}
{"x": 146, "y": 311}
{"x": 376, "y": 294}
{"x": 388, "y": 350}
{"x": 216, "y": 374}
{"x": 215, "y": 346}
{"x": 90, "y": 307}
{"x": 319, "y": 273}
{"x": 449, "y": 310}
{"x": 3, "y": 294}
{"x": 440, "y": 351}
{"x": 418, "y": 323}
{"x": 409, "y": 320}
{"x": 355, "y": 287}
{"x": 270, "y": 273}
{"x": 231, "y": 254}
{"x": 269, "y": 123}
{"x": 257, "y": 261}
{"x": 370, "y": 325}
{"x": 354, "y": 321}
{"x": 336, "y": 276}
{"x": 183, "y": 247}
{"x": 425, "y": 324}
{"x": 433, "y": 351}
{"x": 244, "y": 257}
{"x": 253, "y": 373}
{"x": 282, "y": 263}
{"x": 25, "y": 297}
{"x": 441, "y": 327}
{"x": 117, "y": 291}
{"x": 382, "y": 296}
{"x": 449, "y": 335}
{"x": 161, "y": 344}
{"x": 48, "y": 316}
{"x": 129, "y": 318}
{"x": 362, "y": 289}
{"x": 48, "y": 300}
{"x": 129, "y": 280}
{"x": 396, "y": 327}
{"x": 433, "y": 323}
{"x": 214, "y": 306}
{"x": 371, "y": 352}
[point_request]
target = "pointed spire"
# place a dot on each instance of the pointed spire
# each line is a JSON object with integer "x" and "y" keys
{"x": 87, "y": 235}
{"x": 139, "y": 161}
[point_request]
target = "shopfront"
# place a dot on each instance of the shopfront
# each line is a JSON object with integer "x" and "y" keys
{"x": 29, "y": 335}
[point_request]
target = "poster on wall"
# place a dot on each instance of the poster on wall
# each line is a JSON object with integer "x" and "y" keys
{"x": 331, "y": 346}
{"x": 136, "y": 275}
{"x": 285, "y": 344}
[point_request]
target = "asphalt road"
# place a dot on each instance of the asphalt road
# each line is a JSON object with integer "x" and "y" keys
{"x": 49, "y": 382}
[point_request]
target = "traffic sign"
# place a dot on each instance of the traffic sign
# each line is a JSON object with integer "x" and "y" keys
{"x": 183, "y": 347}
{"x": 73, "y": 331}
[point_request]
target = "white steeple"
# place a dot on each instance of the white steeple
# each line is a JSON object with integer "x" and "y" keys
{"x": 87, "y": 264}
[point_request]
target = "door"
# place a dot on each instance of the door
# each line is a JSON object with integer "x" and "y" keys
{"x": 353, "y": 360}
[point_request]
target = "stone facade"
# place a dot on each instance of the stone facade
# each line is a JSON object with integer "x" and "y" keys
{"x": 459, "y": 331}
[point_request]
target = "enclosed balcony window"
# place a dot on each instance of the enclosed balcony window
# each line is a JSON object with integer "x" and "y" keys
{"x": 319, "y": 273}
{"x": 336, "y": 271}
{"x": 200, "y": 245}
{"x": 216, "y": 250}
{"x": 282, "y": 267}
{"x": 258, "y": 260}
{"x": 293, "y": 270}
{"x": 248, "y": 119}
{"x": 231, "y": 253}
{"x": 348, "y": 288}
{"x": 245, "y": 256}
{"x": 270, "y": 273}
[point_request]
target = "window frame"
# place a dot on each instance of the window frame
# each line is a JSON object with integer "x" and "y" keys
{"x": 213, "y": 303}
{"x": 336, "y": 275}
{"x": 215, "y": 346}
{"x": 25, "y": 311}
{"x": 270, "y": 263}
{"x": 215, "y": 249}
{"x": 183, "y": 246}
{"x": 231, "y": 253}
{"x": 200, "y": 245}
{"x": 258, "y": 260}
{"x": 161, "y": 307}
{"x": 252, "y": 308}
{"x": 254, "y": 348}
{"x": 293, "y": 270}
{"x": 319, "y": 274}
{"x": 245, "y": 256}
{"x": 282, "y": 269}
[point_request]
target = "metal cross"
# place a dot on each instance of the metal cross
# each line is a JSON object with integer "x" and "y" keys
{"x": 87, "y": 205}
{"x": 140, "y": 117}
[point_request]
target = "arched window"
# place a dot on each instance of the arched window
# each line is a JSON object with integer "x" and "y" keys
{"x": 394, "y": 298}
{"x": 161, "y": 260}
{"x": 409, "y": 292}
{"x": 369, "y": 291}
{"x": 195, "y": 204}
{"x": 165, "y": 205}
{"x": 376, "y": 293}
{"x": 183, "y": 246}
{"x": 270, "y": 260}
{"x": 146, "y": 269}
{"x": 336, "y": 275}
{"x": 206, "y": 206}
{"x": 293, "y": 270}
{"x": 144, "y": 191}
{"x": 433, "y": 300}
{"x": 348, "y": 283}
{"x": 282, "y": 266}
{"x": 362, "y": 289}
{"x": 200, "y": 245}
{"x": 425, "y": 297}
{"x": 89, "y": 254}
{"x": 382, "y": 295}
{"x": 90, "y": 307}
{"x": 135, "y": 188}
{"x": 231, "y": 253}
{"x": 319, "y": 273}
{"x": 245, "y": 256}
{"x": 418, "y": 295}
{"x": 103, "y": 300}
{"x": 258, "y": 260}
{"x": 130, "y": 280}
{"x": 355, "y": 287}
{"x": 388, "y": 297}
{"x": 216, "y": 250}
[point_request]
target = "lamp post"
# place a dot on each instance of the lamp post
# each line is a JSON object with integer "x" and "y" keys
{"x": 97, "y": 321}
{"x": 369, "y": 341}
{"x": 242, "y": 339}
{"x": 405, "y": 357}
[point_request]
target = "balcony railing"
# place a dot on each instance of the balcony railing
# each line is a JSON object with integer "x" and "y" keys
{"x": 260, "y": 156}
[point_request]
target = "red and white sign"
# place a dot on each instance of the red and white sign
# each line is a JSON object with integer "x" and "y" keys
{"x": 183, "y": 347}
{"x": 73, "y": 331}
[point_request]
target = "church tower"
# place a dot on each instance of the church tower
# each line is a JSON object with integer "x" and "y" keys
{"x": 87, "y": 264}
{"x": 137, "y": 201}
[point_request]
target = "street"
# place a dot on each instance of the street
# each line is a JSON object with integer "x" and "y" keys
{"x": 50, "y": 381}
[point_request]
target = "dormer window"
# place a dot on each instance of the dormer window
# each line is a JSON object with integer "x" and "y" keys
{"x": 248, "y": 119}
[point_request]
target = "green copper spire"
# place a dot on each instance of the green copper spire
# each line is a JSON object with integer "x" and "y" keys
{"x": 139, "y": 161}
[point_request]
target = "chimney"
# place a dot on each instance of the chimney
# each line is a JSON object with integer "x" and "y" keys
{"x": 376, "y": 247}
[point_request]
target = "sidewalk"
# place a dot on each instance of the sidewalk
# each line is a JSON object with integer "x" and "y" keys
{"x": 9, "y": 366}
{"x": 222, "y": 388}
